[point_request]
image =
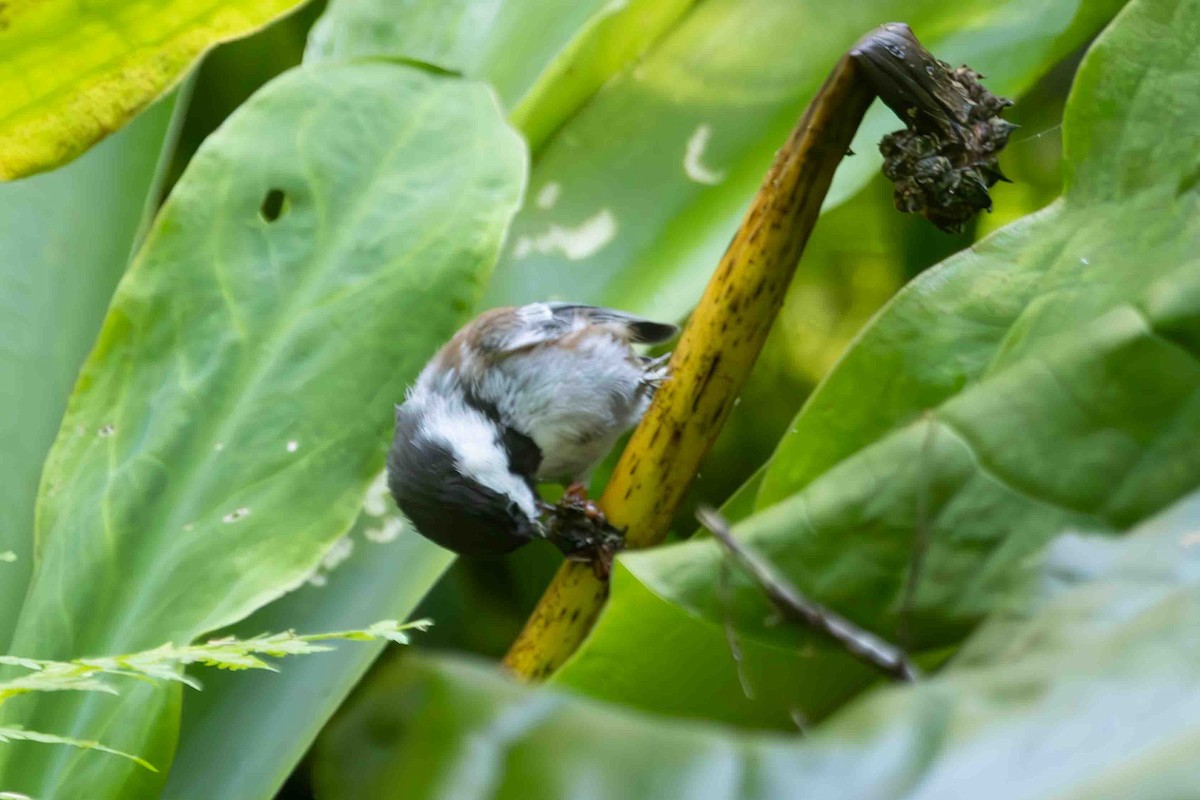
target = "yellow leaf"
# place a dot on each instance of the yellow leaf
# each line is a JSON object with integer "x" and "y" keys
{"x": 75, "y": 72}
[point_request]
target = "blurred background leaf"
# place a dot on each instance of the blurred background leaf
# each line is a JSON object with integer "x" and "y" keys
{"x": 543, "y": 59}
{"x": 110, "y": 60}
{"x": 1097, "y": 644}
{"x": 66, "y": 239}
{"x": 220, "y": 437}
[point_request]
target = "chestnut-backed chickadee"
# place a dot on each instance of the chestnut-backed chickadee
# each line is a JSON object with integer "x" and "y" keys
{"x": 519, "y": 396}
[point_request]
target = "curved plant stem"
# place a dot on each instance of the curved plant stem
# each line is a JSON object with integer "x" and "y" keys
{"x": 723, "y": 338}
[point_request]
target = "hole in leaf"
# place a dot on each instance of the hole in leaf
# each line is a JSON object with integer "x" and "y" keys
{"x": 272, "y": 207}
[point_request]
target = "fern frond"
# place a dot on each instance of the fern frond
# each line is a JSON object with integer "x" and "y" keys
{"x": 164, "y": 662}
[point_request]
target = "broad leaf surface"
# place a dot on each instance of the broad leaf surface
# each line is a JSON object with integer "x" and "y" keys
{"x": 634, "y": 199}
{"x": 1045, "y": 379}
{"x": 1083, "y": 685}
{"x": 66, "y": 239}
{"x": 318, "y": 249}
{"x": 74, "y": 73}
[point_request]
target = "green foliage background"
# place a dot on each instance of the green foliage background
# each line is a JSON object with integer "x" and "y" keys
{"x": 215, "y": 458}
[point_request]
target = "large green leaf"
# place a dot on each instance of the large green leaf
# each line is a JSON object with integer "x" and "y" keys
{"x": 1044, "y": 379}
{"x": 66, "y": 238}
{"x": 317, "y": 250}
{"x": 638, "y": 194}
{"x": 544, "y": 59}
{"x": 1084, "y": 686}
{"x": 75, "y": 74}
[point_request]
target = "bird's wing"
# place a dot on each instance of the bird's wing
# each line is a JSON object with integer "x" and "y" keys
{"x": 541, "y": 323}
{"x": 644, "y": 331}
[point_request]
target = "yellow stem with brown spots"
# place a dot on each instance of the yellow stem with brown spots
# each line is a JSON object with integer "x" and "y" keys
{"x": 710, "y": 363}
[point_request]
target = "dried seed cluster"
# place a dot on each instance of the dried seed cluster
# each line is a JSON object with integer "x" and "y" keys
{"x": 944, "y": 171}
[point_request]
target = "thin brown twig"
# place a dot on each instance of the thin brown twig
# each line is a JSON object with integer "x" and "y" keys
{"x": 794, "y": 606}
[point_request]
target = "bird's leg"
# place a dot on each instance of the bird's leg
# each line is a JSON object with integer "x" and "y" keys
{"x": 576, "y": 496}
{"x": 656, "y": 371}
{"x": 576, "y": 492}
{"x": 578, "y": 527}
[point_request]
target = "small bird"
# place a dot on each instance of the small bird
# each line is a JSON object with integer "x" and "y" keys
{"x": 519, "y": 396}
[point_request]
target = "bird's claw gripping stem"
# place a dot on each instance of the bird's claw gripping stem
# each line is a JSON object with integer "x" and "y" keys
{"x": 578, "y": 527}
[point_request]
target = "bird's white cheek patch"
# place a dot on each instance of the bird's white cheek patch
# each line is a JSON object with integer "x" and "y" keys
{"x": 477, "y": 453}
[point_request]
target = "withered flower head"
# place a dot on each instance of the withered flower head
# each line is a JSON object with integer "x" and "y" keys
{"x": 945, "y": 160}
